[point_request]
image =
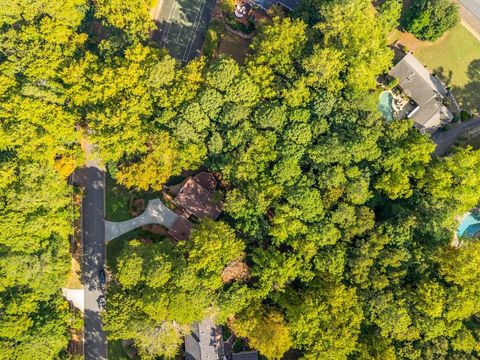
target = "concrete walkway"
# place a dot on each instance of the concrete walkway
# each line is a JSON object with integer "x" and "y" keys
{"x": 470, "y": 15}
{"x": 155, "y": 213}
{"x": 76, "y": 297}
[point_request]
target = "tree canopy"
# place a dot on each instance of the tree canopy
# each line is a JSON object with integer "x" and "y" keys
{"x": 430, "y": 19}
{"x": 336, "y": 237}
{"x": 38, "y": 150}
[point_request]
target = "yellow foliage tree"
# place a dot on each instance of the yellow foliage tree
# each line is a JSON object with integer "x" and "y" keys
{"x": 266, "y": 331}
{"x": 164, "y": 159}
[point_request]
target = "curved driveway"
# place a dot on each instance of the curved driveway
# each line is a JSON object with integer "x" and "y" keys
{"x": 155, "y": 213}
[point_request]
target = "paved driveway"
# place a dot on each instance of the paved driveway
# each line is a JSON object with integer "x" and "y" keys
{"x": 93, "y": 180}
{"x": 155, "y": 213}
{"x": 446, "y": 139}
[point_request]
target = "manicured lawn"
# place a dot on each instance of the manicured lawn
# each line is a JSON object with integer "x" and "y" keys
{"x": 451, "y": 55}
{"x": 115, "y": 246}
{"x": 117, "y": 209}
{"x": 116, "y": 201}
{"x": 455, "y": 58}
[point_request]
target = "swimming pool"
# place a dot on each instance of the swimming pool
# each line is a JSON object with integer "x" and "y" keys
{"x": 385, "y": 105}
{"x": 469, "y": 226}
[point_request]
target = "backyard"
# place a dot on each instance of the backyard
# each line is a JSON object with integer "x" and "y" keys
{"x": 235, "y": 46}
{"x": 455, "y": 58}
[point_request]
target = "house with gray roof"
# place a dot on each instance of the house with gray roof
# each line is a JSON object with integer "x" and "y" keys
{"x": 425, "y": 90}
{"x": 245, "y": 355}
{"x": 290, "y": 5}
{"x": 204, "y": 342}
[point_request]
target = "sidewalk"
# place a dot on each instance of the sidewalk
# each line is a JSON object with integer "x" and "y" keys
{"x": 469, "y": 20}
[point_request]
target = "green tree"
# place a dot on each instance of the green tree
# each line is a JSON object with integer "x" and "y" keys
{"x": 211, "y": 246}
{"x": 164, "y": 158}
{"x": 266, "y": 330}
{"x": 430, "y": 19}
{"x": 351, "y": 28}
{"x": 324, "y": 321}
{"x": 278, "y": 45}
{"x": 390, "y": 12}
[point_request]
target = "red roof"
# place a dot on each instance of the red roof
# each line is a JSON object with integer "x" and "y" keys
{"x": 181, "y": 229}
{"x": 207, "y": 181}
{"x": 194, "y": 198}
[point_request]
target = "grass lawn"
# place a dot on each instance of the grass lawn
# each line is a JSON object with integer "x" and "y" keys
{"x": 451, "y": 55}
{"x": 116, "y": 201}
{"x": 455, "y": 58}
{"x": 117, "y": 209}
{"x": 115, "y": 246}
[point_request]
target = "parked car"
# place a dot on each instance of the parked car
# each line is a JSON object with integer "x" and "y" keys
{"x": 102, "y": 276}
{"x": 101, "y": 302}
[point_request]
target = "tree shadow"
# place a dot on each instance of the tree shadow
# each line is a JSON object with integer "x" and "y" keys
{"x": 181, "y": 27}
{"x": 445, "y": 77}
{"x": 468, "y": 96}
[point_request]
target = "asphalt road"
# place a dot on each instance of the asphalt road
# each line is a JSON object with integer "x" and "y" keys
{"x": 93, "y": 180}
{"x": 473, "y": 6}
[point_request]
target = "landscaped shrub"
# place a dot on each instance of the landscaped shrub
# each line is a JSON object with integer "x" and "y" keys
{"x": 447, "y": 127}
{"x": 211, "y": 42}
{"x": 430, "y": 19}
{"x": 465, "y": 115}
{"x": 231, "y": 21}
{"x": 393, "y": 83}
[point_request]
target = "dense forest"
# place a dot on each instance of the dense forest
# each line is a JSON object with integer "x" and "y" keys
{"x": 336, "y": 239}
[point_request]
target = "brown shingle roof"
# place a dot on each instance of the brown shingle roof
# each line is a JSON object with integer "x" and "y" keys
{"x": 207, "y": 180}
{"x": 197, "y": 200}
{"x": 181, "y": 229}
{"x": 245, "y": 355}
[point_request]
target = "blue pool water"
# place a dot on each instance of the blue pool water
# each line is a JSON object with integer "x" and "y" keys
{"x": 468, "y": 227}
{"x": 385, "y": 105}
